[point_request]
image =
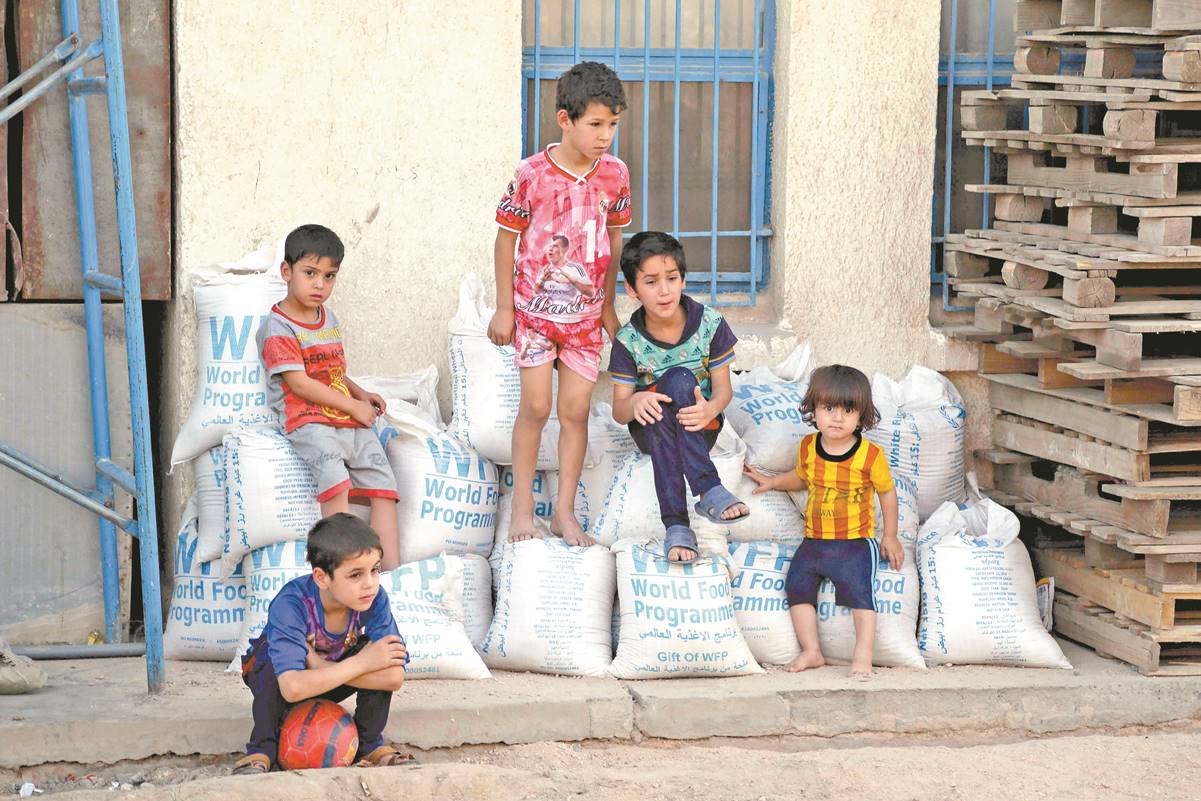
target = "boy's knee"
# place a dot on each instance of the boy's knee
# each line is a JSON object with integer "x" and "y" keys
{"x": 534, "y": 410}
{"x": 573, "y": 411}
{"x": 679, "y": 384}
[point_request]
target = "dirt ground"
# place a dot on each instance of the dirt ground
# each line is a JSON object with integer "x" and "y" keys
{"x": 1163, "y": 764}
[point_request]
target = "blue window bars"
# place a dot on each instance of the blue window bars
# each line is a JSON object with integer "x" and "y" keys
{"x": 708, "y": 66}
{"x": 955, "y": 70}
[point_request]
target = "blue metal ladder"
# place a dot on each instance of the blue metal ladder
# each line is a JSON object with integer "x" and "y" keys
{"x": 67, "y": 61}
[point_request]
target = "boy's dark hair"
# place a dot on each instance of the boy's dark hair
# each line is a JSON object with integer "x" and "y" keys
{"x": 839, "y": 385}
{"x": 334, "y": 539}
{"x": 646, "y": 244}
{"x": 316, "y": 240}
{"x": 589, "y": 82}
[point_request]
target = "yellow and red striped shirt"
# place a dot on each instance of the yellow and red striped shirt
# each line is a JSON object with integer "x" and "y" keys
{"x": 840, "y": 488}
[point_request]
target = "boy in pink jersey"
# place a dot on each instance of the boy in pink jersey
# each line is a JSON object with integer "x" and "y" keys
{"x": 563, "y": 213}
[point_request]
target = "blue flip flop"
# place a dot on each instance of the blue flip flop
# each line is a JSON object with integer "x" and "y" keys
{"x": 680, "y": 537}
{"x": 715, "y": 501}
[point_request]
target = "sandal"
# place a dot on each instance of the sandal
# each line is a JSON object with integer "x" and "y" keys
{"x": 714, "y": 502}
{"x": 386, "y": 756}
{"x": 680, "y": 537}
{"x": 252, "y": 764}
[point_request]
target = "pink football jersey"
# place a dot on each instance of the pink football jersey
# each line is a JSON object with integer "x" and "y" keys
{"x": 563, "y": 221}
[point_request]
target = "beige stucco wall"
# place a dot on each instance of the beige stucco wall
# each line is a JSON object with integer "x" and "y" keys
{"x": 856, "y": 98}
{"x": 394, "y": 125}
{"x": 397, "y": 126}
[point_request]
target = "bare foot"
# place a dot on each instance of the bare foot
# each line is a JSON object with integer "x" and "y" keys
{"x": 806, "y": 661}
{"x": 570, "y": 530}
{"x": 679, "y": 554}
{"x": 860, "y": 670}
{"x": 737, "y": 510}
{"x": 521, "y": 527}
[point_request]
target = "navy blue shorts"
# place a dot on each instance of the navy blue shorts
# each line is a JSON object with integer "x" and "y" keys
{"x": 849, "y": 564}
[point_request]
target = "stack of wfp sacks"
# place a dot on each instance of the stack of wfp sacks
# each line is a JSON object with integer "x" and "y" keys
{"x": 554, "y": 603}
{"x": 242, "y": 536}
{"x": 966, "y": 591}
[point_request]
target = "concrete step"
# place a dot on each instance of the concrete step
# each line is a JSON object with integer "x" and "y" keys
{"x": 97, "y": 711}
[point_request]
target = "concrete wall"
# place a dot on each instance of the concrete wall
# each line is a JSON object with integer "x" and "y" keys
{"x": 856, "y": 86}
{"x": 398, "y": 127}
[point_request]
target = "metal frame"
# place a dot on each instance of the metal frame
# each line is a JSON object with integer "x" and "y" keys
{"x": 678, "y": 65}
{"x": 140, "y": 483}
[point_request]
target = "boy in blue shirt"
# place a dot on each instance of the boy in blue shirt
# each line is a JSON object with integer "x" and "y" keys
{"x": 671, "y": 382}
{"x": 328, "y": 635}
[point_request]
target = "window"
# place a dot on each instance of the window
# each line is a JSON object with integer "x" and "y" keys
{"x": 697, "y": 76}
{"x": 976, "y": 53}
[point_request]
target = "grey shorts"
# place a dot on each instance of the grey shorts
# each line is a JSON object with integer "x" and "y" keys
{"x": 341, "y": 459}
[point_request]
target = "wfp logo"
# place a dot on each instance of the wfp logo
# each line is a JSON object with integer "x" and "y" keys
{"x": 447, "y": 454}
{"x": 954, "y": 415}
{"x": 229, "y": 339}
{"x": 185, "y": 552}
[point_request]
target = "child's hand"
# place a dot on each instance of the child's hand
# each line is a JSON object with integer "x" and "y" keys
{"x": 388, "y": 652}
{"x": 695, "y": 418}
{"x": 646, "y": 406}
{"x": 377, "y": 402}
{"x": 500, "y": 328}
{"x": 313, "y": 660}
{"x": 609, "y": 322}
{"x": 765, "y": 483}
{"x": 890, "y": 549}
{"x": 363, "y": 413}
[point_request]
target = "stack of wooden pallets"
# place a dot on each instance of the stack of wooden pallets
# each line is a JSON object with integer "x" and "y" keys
{"x": 1087, "y": 298}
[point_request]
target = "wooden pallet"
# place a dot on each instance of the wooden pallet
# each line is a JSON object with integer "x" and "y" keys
{"x": 1172, "y": 652}
{"x": 1125, "y": 591}
{"x": 1134, "y": 401}
{"x": 1022, "y": 395}
{"x": 1109, "y": 17}
{"x": 1171, "y": 516}
{"x": 1064, "y": 446}
{"x": 1098, "y": 174}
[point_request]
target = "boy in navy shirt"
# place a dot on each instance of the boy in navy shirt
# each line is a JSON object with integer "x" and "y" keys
{"x": 328, "y": 635}
{"x": 671, "y": 382}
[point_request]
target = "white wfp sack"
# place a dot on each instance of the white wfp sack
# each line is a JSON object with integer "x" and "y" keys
{"x": 978, "y": 597}
{"x": 448, "y": 492}
{"x": 486, "y": 387}
{"x": 267, "y": 570}
{"x": 897, "y": 595}
{"x": 209, "y": 471}
{"x": 775, "y": 516}
{"x": 419, "y": 388}
{"x": 766, "y": 410}
{"x": 554, "y": 606}
{"x": 618, "y": 497}
{"x": 270, "y": 496}
{"x": 427, "y": 603}
{"x": 231, "y": 383}
{"x": 760, "y": 600}
{"x": 677, "y": 618}
{"x": 477, "y": 597}
{"x": 921, "y": 430}
{"x": 207, "y": 609}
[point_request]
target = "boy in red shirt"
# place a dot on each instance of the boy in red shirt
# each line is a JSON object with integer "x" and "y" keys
{"x": 327, "y": 417}
{"x": 563, "y": 212}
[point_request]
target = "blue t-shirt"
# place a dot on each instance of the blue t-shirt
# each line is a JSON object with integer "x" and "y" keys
{"x": 296, "y": 619}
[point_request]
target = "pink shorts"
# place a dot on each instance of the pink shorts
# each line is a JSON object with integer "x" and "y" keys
{"x": 576, "y": 345}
